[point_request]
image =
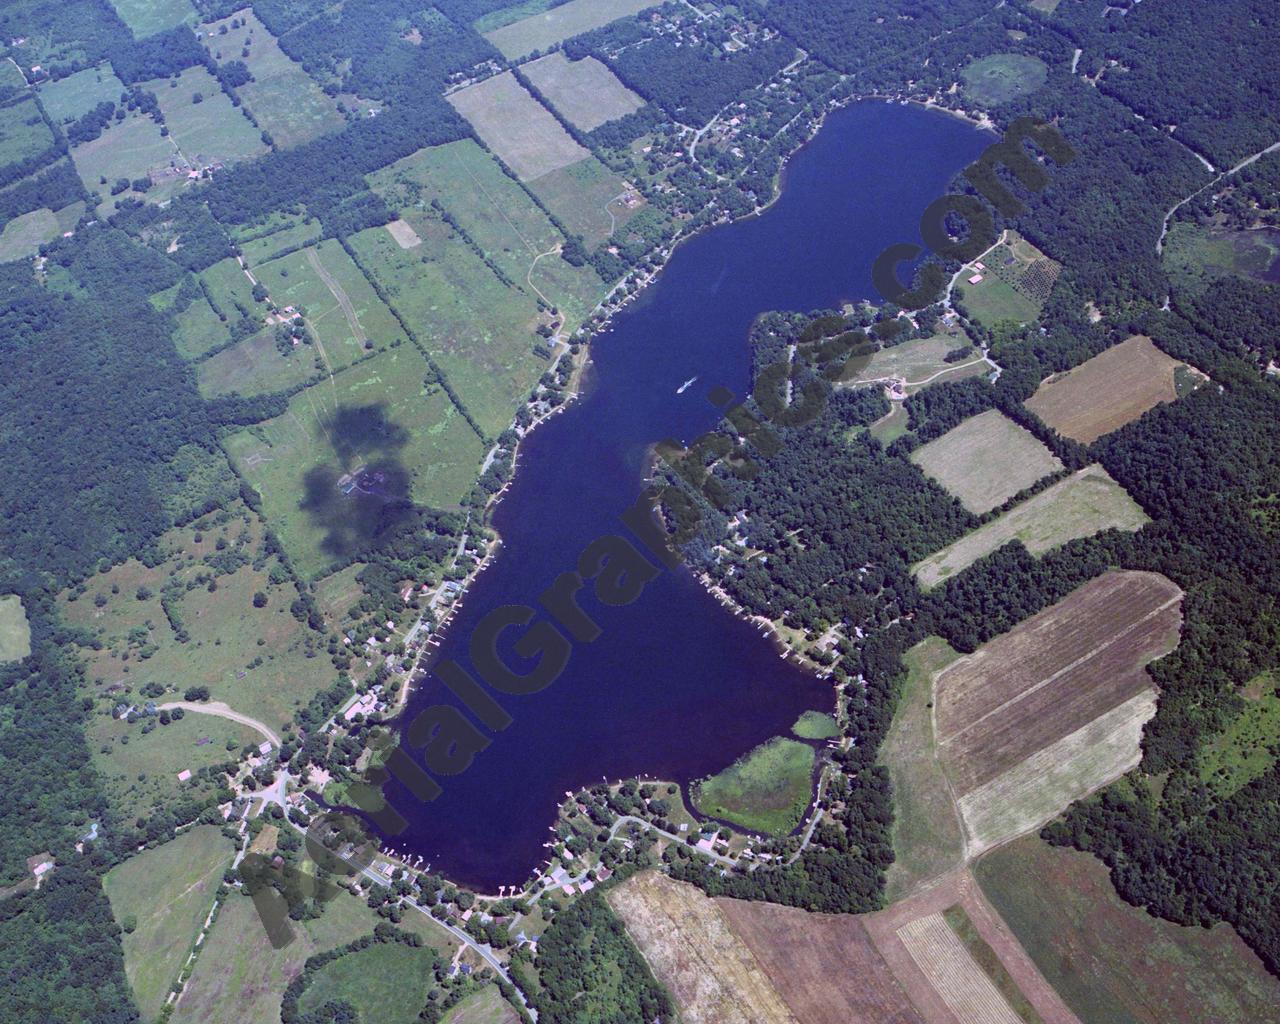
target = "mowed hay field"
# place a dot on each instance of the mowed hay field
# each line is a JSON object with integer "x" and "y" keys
{"x": 1107, "y": 391}
{"x": 517, "y": 127}
{"x": 919, "y": 360}
{"x": 585, "y": 92}
{"x": 1083, "y": 504}
{"x": 1053, "y": 709}
{"x": 580, "y": 195}
{"x": 730, "y": 962}
{"x": 1114, "y": 962}
{"x": 147, "y": 17}
{"x": 985, "y": 461}
{"x": 545, "y": 29}
{"x": 168, "y": 892}
{"x": 691, "y": 949}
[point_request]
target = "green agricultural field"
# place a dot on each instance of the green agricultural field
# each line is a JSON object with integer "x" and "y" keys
{"x": 337, "y": 592}
{"x": 211, "y": 130}
{"x": 543, "y": 28}
{"x": 290, "y": 232}
{"x": 15, "y": 633}
{"x": 230, "y": 290}
{"x": 256, "y": 366}
{"x": 166, "y": 894}
{"x": 140, "y": 770}
{"x": 340, "y": 306}
{"x": 1196, "y": 256}
{"x": 478, "y": 329}
{"x": 200, "y": 330}
{"x": 1079, "y": 506}
{"x": 579, "y": 195}
{"x": 1114, "y": 962}
{"x": 377, "y": 417}
{"x": 387, "y": 983}
{"x": 814, "y": 725}
{"x": 287, "y": 103}
{"x": 1002, "y": 77}
{"x": 765, "y": 791}
{"x": 992, "y": 301}
{"x": 23, "y": 133}
{"x": 510, "y": 15}
{"x": 132, "y": 148}
{"x": 24, "y": 235}
{"x": 74, "y": 96}
{"x": 985, "y": 460}
{"x": 485, "y": 1007}
{"x": 238, "y": 967}
{"x": 927, "y": 840}
{"x": 260, "y": 661}
{"x": 1250, "y": 744}
{"x": 147, "y": 17}
{"x": 498, "y": 215}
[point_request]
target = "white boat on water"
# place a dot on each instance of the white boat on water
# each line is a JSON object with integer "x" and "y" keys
{"x": 681, "y": 389}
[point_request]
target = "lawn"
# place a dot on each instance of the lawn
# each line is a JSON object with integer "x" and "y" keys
{"x": 256, "y": 366}
{"x": 992, "y": 301}
{"x": 927, "y": 840}
{"x": 239, "y": 968}
{"x": 67, "y": 98}
{"x": 287, "y": 103}
{"x": 584, "y": 92}
{"x": 377, "y": 420}
{"x": 15, "y": 633}
{"x": 24, "y": 235}
{"x": 543, "y": 29}
{"x": 211, "y": 130}
{"x": 814, "y": 725}
{"x": 340, "y": 306}
{"x": 23, "y": 133}
{"x": 1002, "y": 77}
{"x": 766, "y": 791}
{"x": 147, "y": 17}
{"x": 579, "y": 193}
{"x": 485, "y": 1007}
{"x": 985, "y": 460}
{"x": 516, "y": 127}
{"x": 167, "y": 891}
{"x": 1114, "y": 962}
{"x": 1079, "y": 506}
{"x": 140, "y": 770}
{"x": 259, "y": 660}
{"x": 498, "y": 215}
{"x": 480, "y": 330}
{"x": 387, "y": 983}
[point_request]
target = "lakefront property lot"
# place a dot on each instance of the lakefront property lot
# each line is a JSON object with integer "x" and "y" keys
{"x": 1053, "y": 709}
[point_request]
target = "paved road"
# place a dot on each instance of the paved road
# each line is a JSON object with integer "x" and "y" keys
{"x": 217, "y": 707}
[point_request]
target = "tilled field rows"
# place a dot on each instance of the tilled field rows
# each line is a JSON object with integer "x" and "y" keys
{"x": 967, "y": 990}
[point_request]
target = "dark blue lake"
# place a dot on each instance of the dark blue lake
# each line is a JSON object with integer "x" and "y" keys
{"x": 676, "y": 686}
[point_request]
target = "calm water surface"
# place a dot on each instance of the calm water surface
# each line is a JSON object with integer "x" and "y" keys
{"x": 676, "y": 687}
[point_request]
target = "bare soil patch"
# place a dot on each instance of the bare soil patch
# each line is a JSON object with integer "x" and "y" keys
{"x": 1107, "y": 391}
{"x": 402, "y": 231}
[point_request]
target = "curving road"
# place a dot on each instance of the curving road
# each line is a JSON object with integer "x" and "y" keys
{"x": 217, "y": 707}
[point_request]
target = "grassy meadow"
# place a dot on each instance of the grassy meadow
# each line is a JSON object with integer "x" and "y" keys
{"x": 765, "y": 791}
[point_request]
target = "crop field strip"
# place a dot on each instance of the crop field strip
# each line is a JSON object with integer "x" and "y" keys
{"x": 1045, "y": 678}
{"x": 585, "y": 92}
{"x": 1106, "y": 392}
{"x": 1083, "y": 504}
{"x": 970, "y": 995}
{"x": 690, "y": 947}
{"x": 515, "y": 126}
{"x": 985, "y": 460}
